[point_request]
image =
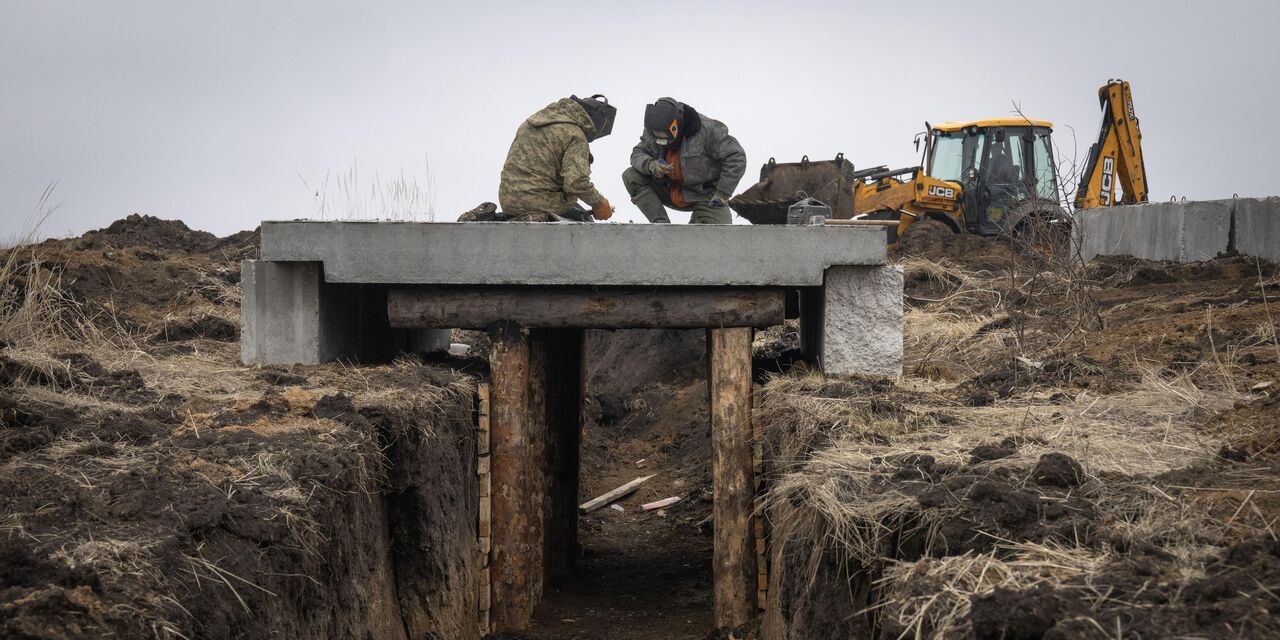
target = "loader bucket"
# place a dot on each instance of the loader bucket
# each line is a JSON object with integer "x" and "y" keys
{"x": 783, "y": 184}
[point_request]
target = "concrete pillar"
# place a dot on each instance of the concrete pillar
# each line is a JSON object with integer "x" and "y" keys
{"x": 1257, "y": 227}
{"x": 280, "y": 312}
{"x": 861, "y": 311}
{"x": 290, "y": 315}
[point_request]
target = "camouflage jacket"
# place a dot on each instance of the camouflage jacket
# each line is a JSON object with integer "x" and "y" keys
{"x": 711, "y": 160}
{"x": 548, "y": 167}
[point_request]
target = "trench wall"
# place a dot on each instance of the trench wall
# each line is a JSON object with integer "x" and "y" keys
{"x": 1182, "y": 231}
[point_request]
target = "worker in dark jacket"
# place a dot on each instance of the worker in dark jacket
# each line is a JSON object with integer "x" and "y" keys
{"x": 685, "y": 161}
{"x": 548, "y": 168}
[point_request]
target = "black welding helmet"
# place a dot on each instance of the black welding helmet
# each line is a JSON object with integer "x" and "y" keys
{"x": 601, "y": 113}
{"x": 665, "y": 120}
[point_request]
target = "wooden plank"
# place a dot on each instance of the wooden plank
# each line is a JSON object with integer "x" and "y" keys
{"x": 536, "y": 499}
{"x": 861, "y": 223}
{"x": 659, "y": 504}
{"x": 482, "y": 430}
{"x": 512, "y": 473}
{"x": 615, "y": 308}
{"x": 612, "y": 496}
{"x": 736, "y": 592}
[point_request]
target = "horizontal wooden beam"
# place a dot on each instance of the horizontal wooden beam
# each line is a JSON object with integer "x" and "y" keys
{"x": 614, "y": 308}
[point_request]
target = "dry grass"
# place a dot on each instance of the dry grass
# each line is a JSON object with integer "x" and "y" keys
{"x": 39, "y": 321}
{"x": 931, "y": 598}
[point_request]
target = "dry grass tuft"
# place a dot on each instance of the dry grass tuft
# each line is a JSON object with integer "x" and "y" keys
{"x": 930, "y": 598}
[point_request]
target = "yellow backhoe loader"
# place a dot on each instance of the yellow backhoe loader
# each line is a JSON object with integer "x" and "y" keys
{"x": 989, "y": 177}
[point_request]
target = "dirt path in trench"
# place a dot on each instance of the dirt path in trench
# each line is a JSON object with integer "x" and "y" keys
{"x": 641, "y": 576}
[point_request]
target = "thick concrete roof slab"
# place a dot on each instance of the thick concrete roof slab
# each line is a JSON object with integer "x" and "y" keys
{"x": 513, "y": 253}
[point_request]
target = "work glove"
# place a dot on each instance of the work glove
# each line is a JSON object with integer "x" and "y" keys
{"x": 659, "y": 169}
{"x": 602, "y": 211}
{"x": 719, "y": 200}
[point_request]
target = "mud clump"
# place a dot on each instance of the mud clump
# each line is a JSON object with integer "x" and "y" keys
{"x": 1020, "y": 615}
{"x": 1057, "y": 470}
{"x": 206, "y": 326}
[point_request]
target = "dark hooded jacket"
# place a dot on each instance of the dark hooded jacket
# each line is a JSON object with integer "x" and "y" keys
{"x": 711, "y": 160}
{"x": 548, "y": 167}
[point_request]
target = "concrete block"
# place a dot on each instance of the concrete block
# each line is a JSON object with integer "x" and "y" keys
{"x": 862, "y": 321}
{"x": 290, "y": 315}
{"x": 1174, "y": 231}
{"x": 1257, "y": 229}
{"x": 512, "y": 253}
{"x": 280, "y": 312}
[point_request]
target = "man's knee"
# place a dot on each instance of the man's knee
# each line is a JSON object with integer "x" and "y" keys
{"x": 704, "y": 214}
{"x": 634, "y": 181}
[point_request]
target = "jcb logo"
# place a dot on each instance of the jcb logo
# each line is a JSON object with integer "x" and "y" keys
{"x": 1108, "y": 176}
{"x": 942, "y": 192}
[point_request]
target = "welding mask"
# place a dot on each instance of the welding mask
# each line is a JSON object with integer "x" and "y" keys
{"x": 665, "y": 120}
{"x": 600, "y": 112}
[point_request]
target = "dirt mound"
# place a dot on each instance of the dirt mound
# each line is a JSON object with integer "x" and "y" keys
{"x": 934, "y": 240}
{"x": 151, "y": 232}
{"x": 142, "y": 274}
{"x": 620, "y": 362}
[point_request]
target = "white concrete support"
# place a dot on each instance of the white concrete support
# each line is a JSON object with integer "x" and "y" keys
{"x": 1257, "y": 228}
{"x": 290, "y": 315}
{"x": 861, "y": 316}
{"x": 1176, "y": 231}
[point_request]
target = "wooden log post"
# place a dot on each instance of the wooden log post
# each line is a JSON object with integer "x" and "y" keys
{"x": 613, "y": 308}
{"x": 513, "y": 475}
{"x": 734, "y": 552}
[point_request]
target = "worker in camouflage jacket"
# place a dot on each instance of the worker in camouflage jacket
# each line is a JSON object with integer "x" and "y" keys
{"x": 548, "y": 168}
{"x": 685, "y": 161}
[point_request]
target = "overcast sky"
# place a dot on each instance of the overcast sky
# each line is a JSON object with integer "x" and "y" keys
{"x": 217, "y": 113}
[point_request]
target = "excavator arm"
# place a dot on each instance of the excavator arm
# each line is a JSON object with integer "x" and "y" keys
{"x": 1117, "y": 156}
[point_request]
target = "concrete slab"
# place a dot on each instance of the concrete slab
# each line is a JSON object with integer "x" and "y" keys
{"x": 507, "y": 253}
{"x": 1257, "y": 227}
{"x": 861, "y": 321}
{"x": 1175, "y": 231}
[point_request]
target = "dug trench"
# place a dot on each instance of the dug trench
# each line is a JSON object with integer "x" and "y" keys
{"x": 1071, "y": 452}
{"x": 151, "y": 487}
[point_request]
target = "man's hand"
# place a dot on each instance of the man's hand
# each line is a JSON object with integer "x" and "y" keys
{"x": 659, "y": 169}
{"x": 719, "y": 200}
{"x": 602, "y": 211}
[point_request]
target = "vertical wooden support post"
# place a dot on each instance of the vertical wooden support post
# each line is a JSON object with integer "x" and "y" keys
{"x": 564, "y": 425}
{"x": 734, "y": 489}
{"x": 484, "y": 525}
{"x": 513, "y": 474}
{"x": 762, "y": 559}
{"x": 536, "y": 500}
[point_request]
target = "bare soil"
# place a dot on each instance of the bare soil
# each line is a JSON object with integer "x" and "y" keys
{"x": 1071, "y": 454}
{"x": 151, "y": 486}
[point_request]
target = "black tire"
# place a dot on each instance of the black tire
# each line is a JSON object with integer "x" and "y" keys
{"x": 927, "y": 237}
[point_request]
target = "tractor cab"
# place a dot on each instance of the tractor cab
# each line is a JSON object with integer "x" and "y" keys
{"x": 1004, "y": 167}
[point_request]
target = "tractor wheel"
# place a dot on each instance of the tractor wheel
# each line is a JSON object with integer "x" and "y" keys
{"x": 927, "y": 237}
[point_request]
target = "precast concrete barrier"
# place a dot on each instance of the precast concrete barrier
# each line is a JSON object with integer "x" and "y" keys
{"x": 1182, "y": 231}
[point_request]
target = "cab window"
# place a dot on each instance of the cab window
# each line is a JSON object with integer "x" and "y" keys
{"x": 954, "y": 154}
{"x": 1046, "y": 177}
